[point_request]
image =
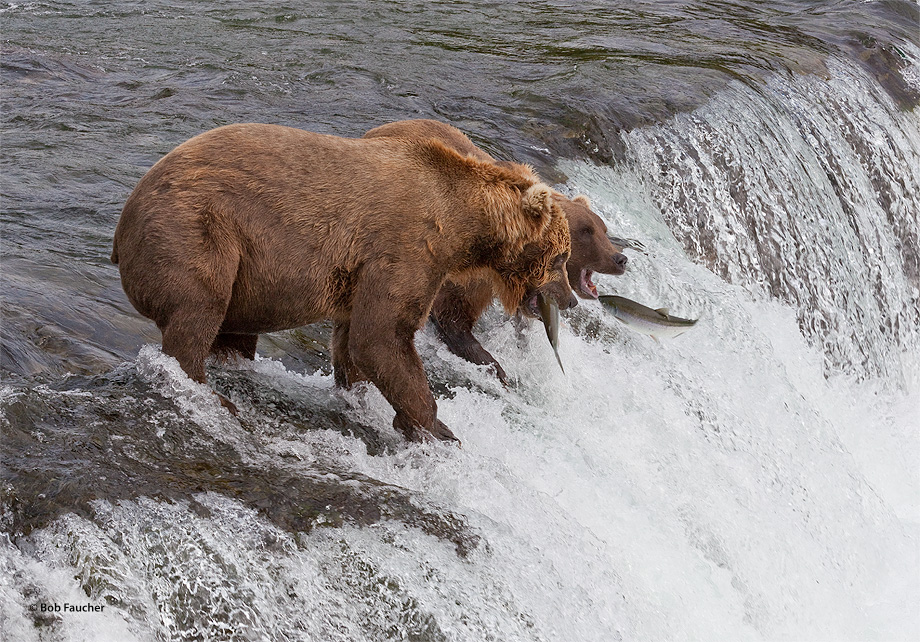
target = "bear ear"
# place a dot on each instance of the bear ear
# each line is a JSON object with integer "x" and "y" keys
{"x": 581, "y": 198}
{"x": 538, "y": 204}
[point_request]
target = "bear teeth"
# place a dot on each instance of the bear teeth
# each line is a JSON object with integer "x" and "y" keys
{"x": 586, "y": 285}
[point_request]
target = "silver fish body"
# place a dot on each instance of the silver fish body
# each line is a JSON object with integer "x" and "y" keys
{"x": 639, "y": 318}
{"x": 549, "y": 312}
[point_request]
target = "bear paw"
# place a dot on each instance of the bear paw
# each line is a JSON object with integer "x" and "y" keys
{"x": 414, "y": 432}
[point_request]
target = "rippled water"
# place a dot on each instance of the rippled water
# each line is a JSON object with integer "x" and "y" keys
{"x": 755, "y": 478}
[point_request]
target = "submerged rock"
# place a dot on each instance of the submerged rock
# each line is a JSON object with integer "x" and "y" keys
{"x": 72, "y": 443}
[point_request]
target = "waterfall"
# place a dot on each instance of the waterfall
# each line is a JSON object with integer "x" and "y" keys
{"x": 806, "y": 191}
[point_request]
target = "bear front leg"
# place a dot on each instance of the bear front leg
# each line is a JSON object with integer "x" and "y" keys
{"x": 454, "y": 312}
{"x": 381, "y": 345}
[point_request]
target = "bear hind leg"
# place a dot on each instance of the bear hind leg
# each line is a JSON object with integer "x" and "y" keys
{"x": 189, "y": 335}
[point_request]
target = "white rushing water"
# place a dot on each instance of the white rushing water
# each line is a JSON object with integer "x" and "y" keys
{"x": 753, "y": 479}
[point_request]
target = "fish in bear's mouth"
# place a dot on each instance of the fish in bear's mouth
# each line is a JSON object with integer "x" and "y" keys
{"x": 531, "y": 304}
{"x": 585, "y": 285}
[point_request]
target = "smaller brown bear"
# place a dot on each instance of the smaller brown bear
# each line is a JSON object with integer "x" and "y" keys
{"x": 256, "y": 228}
{"x": 460, "y": 303}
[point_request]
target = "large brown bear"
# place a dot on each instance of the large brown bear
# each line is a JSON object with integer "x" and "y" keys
{"x": 255, "y": 228}
{"x": 459, "y": 304}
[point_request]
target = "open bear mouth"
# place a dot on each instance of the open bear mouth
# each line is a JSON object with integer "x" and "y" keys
{"x": 585, "y": 285}
{"x": 532, "y": 306}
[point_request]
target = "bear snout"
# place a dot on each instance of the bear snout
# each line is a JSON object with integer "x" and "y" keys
{"x": 619, "y": 263}
{"x": 613, "y": 264}
{"x": 572, "y": 302}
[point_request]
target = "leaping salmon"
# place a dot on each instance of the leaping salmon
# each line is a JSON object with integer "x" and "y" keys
{"x": 655, "y": 323}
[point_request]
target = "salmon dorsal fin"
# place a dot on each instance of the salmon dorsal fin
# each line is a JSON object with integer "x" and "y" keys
{"x": 662, "y": 311}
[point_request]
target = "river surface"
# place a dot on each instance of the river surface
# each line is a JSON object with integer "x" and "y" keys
{"x": 756, "y": 478}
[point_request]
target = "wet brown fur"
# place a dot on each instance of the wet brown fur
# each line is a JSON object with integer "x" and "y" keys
{"x": 461, "y": 302}
{"x": 250, "y": 228}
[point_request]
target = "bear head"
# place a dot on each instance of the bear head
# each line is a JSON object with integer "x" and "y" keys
{"x": 538, "y": 267}
{"x": 592, "y": 250}
{"x": 521, "y": 232}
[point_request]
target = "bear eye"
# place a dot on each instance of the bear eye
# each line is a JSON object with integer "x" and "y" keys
{"x": 587, "y": 231}
{"x": 559, "y": 261}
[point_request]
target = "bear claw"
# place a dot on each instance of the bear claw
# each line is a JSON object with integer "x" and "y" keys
{"x": 416, "y": 433}
{"x": 442, "y": 432}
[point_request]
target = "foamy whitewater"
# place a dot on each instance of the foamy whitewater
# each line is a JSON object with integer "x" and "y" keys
{"x": 753, "y": 479}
